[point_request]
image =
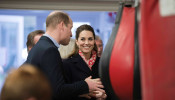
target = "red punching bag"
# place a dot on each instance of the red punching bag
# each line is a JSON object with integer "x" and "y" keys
{"x": 118, "y": 62}
{"x": 157, "y": 49}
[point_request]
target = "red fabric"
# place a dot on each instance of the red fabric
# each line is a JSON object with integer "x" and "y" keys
{"x": 122, "y": 57}
{"x": 91, "y": 61}
{"x": 157, "y": 52}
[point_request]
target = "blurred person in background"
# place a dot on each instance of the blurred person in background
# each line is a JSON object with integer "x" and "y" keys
{"x": 99, "y": 44}
{"x": 65, "y": 51}
{"x": 33, "y": 38}
{"x": 26, "y": 83}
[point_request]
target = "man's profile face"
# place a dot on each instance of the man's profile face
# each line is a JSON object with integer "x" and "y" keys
{"x": 67, "y": 33}
{"x": 99, "y": 47}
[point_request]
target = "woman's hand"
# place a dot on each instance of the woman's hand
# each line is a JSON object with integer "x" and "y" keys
{"x": 100, "y": 95}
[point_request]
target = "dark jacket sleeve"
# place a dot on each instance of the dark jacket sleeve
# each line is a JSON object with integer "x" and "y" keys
{"x": 67, "y": 70}
{"x": 52, "y": 66}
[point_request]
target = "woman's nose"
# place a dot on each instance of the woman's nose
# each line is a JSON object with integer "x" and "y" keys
{"x": 86, "y": 42}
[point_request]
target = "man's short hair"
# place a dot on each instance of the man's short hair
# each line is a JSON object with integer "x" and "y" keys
{"x": 56, "y": 17}
{"x": 24, "y": 83}
{"x": 30, "y": 38}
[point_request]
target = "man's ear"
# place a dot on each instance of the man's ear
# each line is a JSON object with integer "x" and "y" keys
{"x": 61, "y": 25}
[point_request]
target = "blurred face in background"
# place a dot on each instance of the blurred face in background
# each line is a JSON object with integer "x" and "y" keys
{"x": 99, "y": 44}
{"x": 37, "y": 37}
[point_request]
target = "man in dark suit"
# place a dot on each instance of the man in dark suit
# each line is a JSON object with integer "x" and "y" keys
{"x": 46, "y": 57}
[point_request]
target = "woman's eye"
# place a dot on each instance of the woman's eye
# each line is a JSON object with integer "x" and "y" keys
{"x": 82, "y": 39}
{"x": 90, "y": 39}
